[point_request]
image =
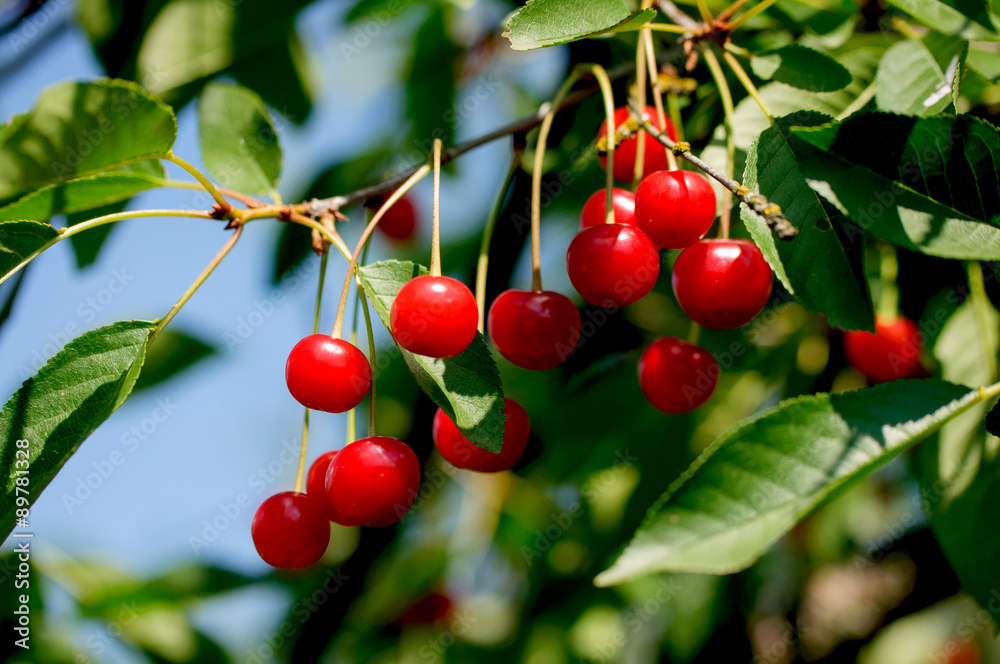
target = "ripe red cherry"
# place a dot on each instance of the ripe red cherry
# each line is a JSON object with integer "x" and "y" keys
{"x": 290, "y": 531}
{"x": 327, "y": 374}
{"x": 400, "y": 221}
{"x": 656, "y": 154}
{"x": 612, "y": 265}
{"x": 434, "y": 316}
{"x": 722, "y": 284}
{"x": 622, "y": 200}
{"x": 675, "y": 208}
{"x": 373, "y": 481}
{"x": 316, "y": 487}
{"x": 534, "y": 329}
{"x": 460, "y": 452}
{"x": 676, "y": 376}
{"x": 891, "y": 353}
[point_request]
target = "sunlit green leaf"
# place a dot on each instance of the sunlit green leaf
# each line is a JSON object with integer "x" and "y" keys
{"x": 543, "y": 23}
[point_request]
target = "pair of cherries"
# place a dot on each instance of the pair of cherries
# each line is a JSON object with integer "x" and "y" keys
{"x": 371, "y": 482}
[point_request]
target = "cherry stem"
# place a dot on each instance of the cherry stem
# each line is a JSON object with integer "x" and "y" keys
{"x": 249, "y": 201}
{"x": 352, "y": 266}
{"x": 202, "y": 180}
{"x": 301, "y": 472}
{"x": 759, "y": 203}
{"x": 371, "y": 358}
{"x": 706, "y": 14}
{"x": 982, "y": 306}
{"x": 352, "y": 418}
{"x": 694, "y": 331}
{"x": 726, "y": 96}
{"x": 195, "y": 285}
{"x": 731, "y": 9}
{"x": 64, "y": 233}
{"x": 641, "y": 64}
{"x": 750, "y": 13}
{"x": 654, "y": 80}
{"x": 436, "y": 217}
{"x": 888, "y": 270}
{"x": 744, "y": 78}
{"x": 482, "y": 264}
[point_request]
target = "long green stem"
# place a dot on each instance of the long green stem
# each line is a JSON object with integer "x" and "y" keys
{"x": 888, "y": 299}
{"x": 301, "y": 472}
{"x": 371, "y": 359}
{"x": 195, "y": 285}
{"x": 352, "y": 414}
{"x": 751, "y": 89}
{"x": 483, "y": 263}
{"x": 338, "y": 323}
{"x": 64, "y": 233}
{"x": 750, "y": 13}
{"x": 654, "y": 80}
{"x": 202, "y": 180}
{"x": 436, "y": 213}
{"x": 726, "y": 95}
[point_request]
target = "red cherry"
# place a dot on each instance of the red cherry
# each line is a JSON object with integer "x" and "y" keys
{"x": 316, "y": 487}
{"x": 460, "y": 452}
{"x": 534, "y": 329}
{"x": 400, "y": 221}
{"x": 612, "y": 265}
{"x": 676, "y": 376}
{"x": 290, "y": 531}
{"x": 434, "y": 316}
{"x": 622, "y": 200}
{"x": 327, "y": 374}
{"x": 675, "y": 208}
{"x": 722, "y": 284}
{"x": 373, "y": 481}
{"x": 891, "y": 353}
{"x": 655, "y": 155}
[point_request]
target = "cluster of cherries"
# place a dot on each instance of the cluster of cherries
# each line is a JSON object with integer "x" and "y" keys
{"x": 719, "y": 284}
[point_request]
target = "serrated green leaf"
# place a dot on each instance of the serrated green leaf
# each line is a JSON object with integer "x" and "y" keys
{"x": 918, "y": 76}
{"x": 82, "y": 128}
{"x": 754, "y": 483}
{"x": 57, "y": 408}
{"x": 173, "y": 352}
{"x": 239, "y": 143}
{"x": 959, "y": 476}
{"x": 19, "y": 239}
{"x": 926, "y": 184}
{"x": 542, "y": 23}
{"x": 85, "y": 193}
{"x": 801, "y": 67}
{"x": 968, "y": 19}
{"x": 466, "y": 387}
{"x": 820, "y": 266}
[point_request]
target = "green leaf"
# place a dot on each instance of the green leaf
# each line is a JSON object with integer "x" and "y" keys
{"x": 754, "y": 483}
{"x": 920, "y": 76}
{"x": 430, "y": 80}
{"x": 82, "y": 128}
{"x": 85, "y": 193}
{"x": 466, "y": 387}
{"x": 984, "y": 63}
{"x": 173, "y": 352}
{"x": 239, "y": 143}
{"x": 69, "y": 397}
{"x": 19, "y": 239}
{"x": 926, "y": 184}
{"x": 542, "y": 23}
{"x": 820, "y": 266}
{"x": 801, "y": 67}
{"x": 969, "y": 19}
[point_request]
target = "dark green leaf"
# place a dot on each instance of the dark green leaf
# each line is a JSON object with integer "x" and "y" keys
{"x": 466, "y": 387}
{"x": 86, "y": 193}
{"x": 172, "y": 353}
{"x": 920, "y": 76}
{"x": 82, "y": 128}
{"x": 542, "y": 23}
{"x": 239, "y": 143}
{"x": 20, "y": 239}
{"x": 927, "y": 184}
{"x": 179, "y": 587}
{"x": 430, "y": 80}
{"x": 754, "y": 483}
{"x": 57, "y": 408}
{"x": 819, "y": 266}
{"x": 801, "y": 67}
{"x": 969, "y": 19}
